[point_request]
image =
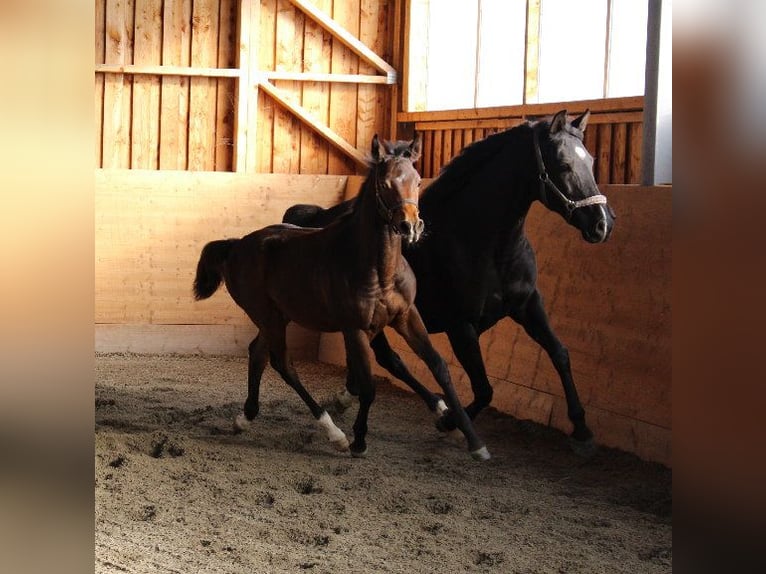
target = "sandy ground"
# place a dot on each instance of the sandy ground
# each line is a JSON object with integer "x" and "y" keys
{"x": 178, "y": 491}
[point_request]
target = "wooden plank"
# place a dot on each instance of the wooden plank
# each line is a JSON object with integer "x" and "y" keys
{"x": 501, "y": 123}
{"x": 428, "y": 147}
{"x": 397, "y": 50}
{"x": 145, "y": 141}
{"x": 603, "y": 153}
{"x": 371, "y": 100}
{"x": 117, "y": 88}
{"x": 446, "y": 147}
{"x": 467, "y": 137}
{"x": 591, "y": 139}
{"x": 202, "y": 91}
{"x": 317, "y": 52}
{"x": 289, "y": 48}
{"x": 145, "y": 259}
{"x": 619, "y": 149}
{"x": 167, "y": 70}
{"x": 243, "y": 85}
{"x": 225, "y": 96}
{"x": 334, "y": 138}
{"x": 174, "y": 104}
{"x": 231, "y": 339}
{"x": 457, "y": 142}
{"x": 436, "y": 159}
{"x": 266, "y": 106}
{"x": 532, "y": 52}
{"x": 634, "y": 153}
{"x": 343, "y": 97}
{"x": 346, "y": 31}
{"x": 323, "y": 77}
{"x": 100, "y": 14}
{"x": 633, "y": 103}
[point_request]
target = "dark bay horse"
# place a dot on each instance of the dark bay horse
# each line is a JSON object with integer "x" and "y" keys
{"x": 476, "y": 265}
{"x": 349, "y": 277}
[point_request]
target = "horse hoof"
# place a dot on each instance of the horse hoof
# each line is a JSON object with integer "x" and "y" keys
{"x": 583, "y": 448}
{"x": 343, "y": 400}
{"x": 481, "y": 454}
{"x": 341, "y": 444}
{"x": 241, "y": 423}
{"x": 357, "y": 451}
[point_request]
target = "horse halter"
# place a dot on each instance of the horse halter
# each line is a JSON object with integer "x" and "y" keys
{"x": 386, "y": 211}
{"x": 545, "y": 182}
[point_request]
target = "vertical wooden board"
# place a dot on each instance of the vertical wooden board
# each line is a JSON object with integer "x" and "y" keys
{"x": 370, "y": 115}
{"x": 343, "y": 97}
{"x": 635, "y": 133}
{"x": 117, "y": 87}
{"x": 202, "y": 97}
{"x": 146, "y": 88}
{"x": 437, "y": 153}
{"x": 225, "y": 98}
{"x": 457, "y": 142}
{"x": 591, "y": 139}
{"x": 174, "y": 105}
{"x": 288, "y": 56}
{"x": 266, "y": 106}
{"x": 619, "y": 148}
{"x": 446, "y": 147}
{"x": 428, "y": 150}
{"x": 467, "y": 137}
{"x": 531, "y": 78}
{"x": 604, "y": 153}
{"x": 100, "y": 22}
{"x": 317, "y": 52}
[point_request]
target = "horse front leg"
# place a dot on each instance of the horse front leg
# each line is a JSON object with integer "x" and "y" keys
{"x": 535, "y": 322}
{"x": 358, "y": 363}
{"x": 389, "y": 359}
{"x": 411, "y": 328}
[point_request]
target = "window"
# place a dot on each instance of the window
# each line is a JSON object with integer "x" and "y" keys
{"x": 483, "y": 53}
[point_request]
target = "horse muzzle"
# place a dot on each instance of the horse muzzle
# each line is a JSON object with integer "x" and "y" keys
{"x": 411, "y": 232}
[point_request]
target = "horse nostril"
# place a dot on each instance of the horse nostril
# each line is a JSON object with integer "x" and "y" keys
{"x": 601, "y": 227}
{"x": 405, "y": 227}
{"x": 419, "y": 226}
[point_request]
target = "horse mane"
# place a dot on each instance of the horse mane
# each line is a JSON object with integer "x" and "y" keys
{"x": 468, "y": 162}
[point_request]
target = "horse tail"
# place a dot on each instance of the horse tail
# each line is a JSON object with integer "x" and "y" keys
{"x": 210, "y": 267}
{"x": 301, "y": 214}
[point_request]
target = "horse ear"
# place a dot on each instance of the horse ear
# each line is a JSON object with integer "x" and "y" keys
{"x": 378, "y": 150}
{"x": 581, "y": 122}
{"x": 416, "y": 147}
{"x": 559, "y": 121}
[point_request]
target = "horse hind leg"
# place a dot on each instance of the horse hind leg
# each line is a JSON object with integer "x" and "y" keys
{"x": 257, "y": 357}
{"x": 284, "y": 366}
{"x": 360, "y": 372}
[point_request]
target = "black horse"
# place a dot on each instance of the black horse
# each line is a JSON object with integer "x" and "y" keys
{"x": 476, "y": 265}
{"x": 349, "y": 277}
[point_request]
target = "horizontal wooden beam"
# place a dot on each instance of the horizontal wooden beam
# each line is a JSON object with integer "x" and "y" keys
{"x": 348, "y": 39}
{"x": 157, "y": 70}
{"x": 320, "y": 77}
{"x": 503, "y": 123}
{"x": 634, "y": 103}
{"x": 332, "y": 137}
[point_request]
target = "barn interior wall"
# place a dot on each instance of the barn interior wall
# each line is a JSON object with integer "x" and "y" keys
{"x": 610, "y": 305}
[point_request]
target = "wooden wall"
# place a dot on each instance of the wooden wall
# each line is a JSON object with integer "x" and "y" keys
{"x": 150, "y": 228}
{"x": 185, "y": 118}
{"x": 613, "y": 136}
{"x": 610, "y": 304}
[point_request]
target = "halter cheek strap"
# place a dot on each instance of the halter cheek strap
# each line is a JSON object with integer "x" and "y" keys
{"x": 546, "y": 183}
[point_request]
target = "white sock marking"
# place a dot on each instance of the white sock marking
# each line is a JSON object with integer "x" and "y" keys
{"x": 334, "y": 434}
{"x": 241, "y": 422}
